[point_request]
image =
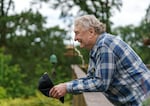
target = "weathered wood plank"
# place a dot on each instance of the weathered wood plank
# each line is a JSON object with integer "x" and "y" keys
{"x": 88, "y": 98}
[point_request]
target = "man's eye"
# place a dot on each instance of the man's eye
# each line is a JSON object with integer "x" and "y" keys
{"x": 76, "y": 33}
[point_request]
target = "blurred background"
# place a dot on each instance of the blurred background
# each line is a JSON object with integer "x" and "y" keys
{"x": 37, "y": 37}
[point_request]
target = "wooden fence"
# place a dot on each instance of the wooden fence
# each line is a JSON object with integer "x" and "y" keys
{"x": 87, "y": 99}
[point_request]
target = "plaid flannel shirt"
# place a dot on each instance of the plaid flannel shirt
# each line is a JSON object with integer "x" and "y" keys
{"x": 117, "y": 71}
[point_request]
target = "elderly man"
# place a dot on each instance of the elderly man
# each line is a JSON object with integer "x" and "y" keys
{"x": 114, "y": 68}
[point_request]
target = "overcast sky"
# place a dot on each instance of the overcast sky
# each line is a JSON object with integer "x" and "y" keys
{"x": 132, "y": 12}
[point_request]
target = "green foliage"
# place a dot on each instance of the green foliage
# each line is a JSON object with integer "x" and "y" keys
{"x": 30, "y": 45}
{"x": 3, "y": 93}
{"x": 102, "y": 9}
{"x": 38, "y": 100}
{"x": 146, "y": 102}
{"x": 10, "y": 77}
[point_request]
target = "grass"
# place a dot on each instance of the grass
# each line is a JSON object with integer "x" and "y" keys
{"x": 38, "y": 100}
{"x": 146, "y": 103}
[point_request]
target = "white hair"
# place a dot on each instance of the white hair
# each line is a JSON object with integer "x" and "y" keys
{"x": 88, "y": 21}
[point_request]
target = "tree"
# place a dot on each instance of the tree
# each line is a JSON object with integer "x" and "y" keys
{"x": 30, "y": 44}
{"x": 10, "y": 77}
{"x": 102, "y": 9}
{"x": 147, "y": 16}
{"x": 147, "y": 22}
{"x": 5, "y": 6}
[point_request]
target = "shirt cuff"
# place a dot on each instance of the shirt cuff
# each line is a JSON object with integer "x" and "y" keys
{"x": 69, "y": 87}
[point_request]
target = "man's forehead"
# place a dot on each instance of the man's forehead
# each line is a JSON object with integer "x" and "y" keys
{"x": 78, "y": 27}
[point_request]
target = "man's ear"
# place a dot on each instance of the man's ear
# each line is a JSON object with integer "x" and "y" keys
{"x": 91, "y": 30}
{"x": 92, "y": 33}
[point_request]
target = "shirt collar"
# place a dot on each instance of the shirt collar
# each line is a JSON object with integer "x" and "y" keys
{"x": 94, "y": 49}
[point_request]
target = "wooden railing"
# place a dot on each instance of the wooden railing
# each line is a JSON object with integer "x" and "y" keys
{"x": 87, "y": 99}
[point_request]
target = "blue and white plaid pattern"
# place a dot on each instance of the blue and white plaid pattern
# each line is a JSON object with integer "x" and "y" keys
{"x": 117, "y": 71}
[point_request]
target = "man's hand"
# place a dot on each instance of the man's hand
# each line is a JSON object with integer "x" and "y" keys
{"x": 58, "y": 91}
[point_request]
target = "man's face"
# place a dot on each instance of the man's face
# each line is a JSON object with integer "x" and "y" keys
{"x": 82, "y": 36}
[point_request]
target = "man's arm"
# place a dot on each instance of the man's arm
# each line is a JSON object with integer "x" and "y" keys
{"x": 99, "y": 82}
